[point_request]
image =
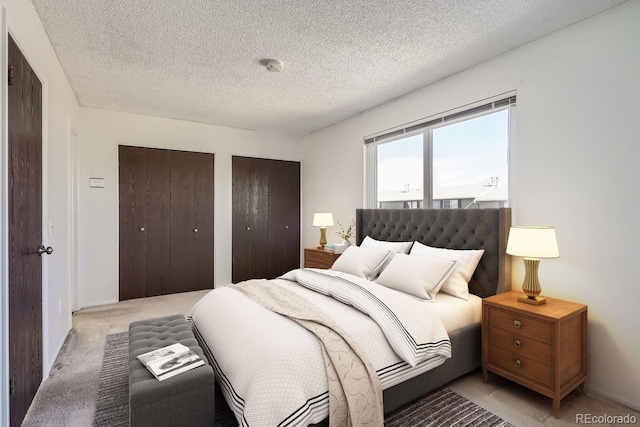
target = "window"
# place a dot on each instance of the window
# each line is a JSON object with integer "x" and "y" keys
{"x": 401, "y": 173}
{"x": 455, "y": 161}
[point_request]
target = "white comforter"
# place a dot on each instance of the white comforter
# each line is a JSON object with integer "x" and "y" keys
{"x": 272, "y": 371}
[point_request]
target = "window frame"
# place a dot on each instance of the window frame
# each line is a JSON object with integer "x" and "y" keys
{"x": 465, "y": 113}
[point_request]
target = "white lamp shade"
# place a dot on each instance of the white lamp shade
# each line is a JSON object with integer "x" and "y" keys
{"x": 323, "y": 219}
{"x": 533, "y": 242}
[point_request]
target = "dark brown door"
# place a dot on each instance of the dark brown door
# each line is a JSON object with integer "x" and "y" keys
{"x": 25, "y": 233}
{"x": 144, "y": 188}
{"x": 191, "y": 221}
{"x": 166, "y": 221}
{"x": 266, "y": 218}
{"x": 284, "y": 217}
{"x": 250, "y": 219}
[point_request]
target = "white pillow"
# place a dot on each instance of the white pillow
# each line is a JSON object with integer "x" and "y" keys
{"x": 361, "y": 262}
{"x": 400, "y": 247}
{"x": 416, "y": 275}
{"x": 467, "y": 260}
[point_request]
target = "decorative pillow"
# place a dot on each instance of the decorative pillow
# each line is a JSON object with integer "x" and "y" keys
{"x": 420, "y": 276}
{"x": 400, "y": 247}
{"x": 362, "y": 262}
{"x": 467, "y": 260}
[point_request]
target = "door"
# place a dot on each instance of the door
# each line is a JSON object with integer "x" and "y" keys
{"x": 191, "y": 221}
{"x": 284, "y": 217}
{"x": 250, "y": 219}
{"x": 144, "y": 189}
{"x": 266, "y": 218}
{"x": 25, "y": 233}
{"x": 166, "y": 221}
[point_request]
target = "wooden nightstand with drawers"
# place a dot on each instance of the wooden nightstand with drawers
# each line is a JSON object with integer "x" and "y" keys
{"x": 319, "y": 258}
{"x": 541, "y": 347}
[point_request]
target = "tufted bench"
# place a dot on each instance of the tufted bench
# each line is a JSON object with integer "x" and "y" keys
{"x": 186, "y": 399}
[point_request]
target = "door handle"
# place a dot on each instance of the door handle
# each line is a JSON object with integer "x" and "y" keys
{"x": 42, "y": 250}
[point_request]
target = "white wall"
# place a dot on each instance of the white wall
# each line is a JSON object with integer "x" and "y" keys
{"x": 60, "y": 111}
{"x": 101, "y": 133}
{"x": 574, "y": 166}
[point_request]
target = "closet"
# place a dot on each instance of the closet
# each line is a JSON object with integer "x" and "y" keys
{"x": 265, "y": 218}
{"x": 165, "y": 221}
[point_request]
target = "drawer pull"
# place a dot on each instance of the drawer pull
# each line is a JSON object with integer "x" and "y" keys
{"x": 517, "y": 363}
{"x": 517, "y": 324}
{"x": 517, "y": 343}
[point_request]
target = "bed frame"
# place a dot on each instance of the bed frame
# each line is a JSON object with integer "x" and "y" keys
{"x": 452, "y": 229}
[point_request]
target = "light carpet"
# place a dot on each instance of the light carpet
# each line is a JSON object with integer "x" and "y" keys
{"x": 442, "y": 407}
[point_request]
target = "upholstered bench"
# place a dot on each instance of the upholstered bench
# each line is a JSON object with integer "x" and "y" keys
{"x": 186, "y": 399}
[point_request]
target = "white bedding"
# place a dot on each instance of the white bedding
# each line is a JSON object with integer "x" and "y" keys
{"x": 457, "y": 313}
{"x": 256, "y": 376}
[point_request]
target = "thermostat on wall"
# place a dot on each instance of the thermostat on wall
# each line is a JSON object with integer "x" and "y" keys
{"x": 96, "y": 182}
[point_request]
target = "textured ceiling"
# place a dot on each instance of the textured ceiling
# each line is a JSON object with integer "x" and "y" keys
{"x": 200, "y": 60}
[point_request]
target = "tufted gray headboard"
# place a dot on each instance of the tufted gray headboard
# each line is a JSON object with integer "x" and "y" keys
{"x": 486, "y": 229}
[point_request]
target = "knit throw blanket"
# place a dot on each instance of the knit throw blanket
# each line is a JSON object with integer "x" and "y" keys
{"x": 355, "y": 392}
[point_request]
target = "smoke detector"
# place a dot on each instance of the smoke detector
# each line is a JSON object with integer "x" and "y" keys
{"x": 274, "y": 65}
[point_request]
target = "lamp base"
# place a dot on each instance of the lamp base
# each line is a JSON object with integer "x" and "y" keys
{"x": 323, "y": 237}
{"x": 532, "y": 301}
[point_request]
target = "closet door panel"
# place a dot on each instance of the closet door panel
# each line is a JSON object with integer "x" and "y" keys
{"x": 191, "y": 221}
{"x": 144, "y": 222}
{"x": 132, "y": 216}
{"x": 284, "y": 217}
{"x": 158, "y": 244}
{"x": 204, "y": 277}
{"x": 241, "y": 220}
{"x": 183, "y": 216}
{"x": 292, "y": 241}
{"x": 250, "y": 187}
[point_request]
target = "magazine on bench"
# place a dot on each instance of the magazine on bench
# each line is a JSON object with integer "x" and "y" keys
{"x": 163, "y": 369}
{"x": 164, "y": 353}
{"x": 169, "y": 361}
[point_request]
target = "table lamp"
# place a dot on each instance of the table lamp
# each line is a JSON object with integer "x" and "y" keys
{"x": 532, "y": 243}
{"x": 323, "y": 220}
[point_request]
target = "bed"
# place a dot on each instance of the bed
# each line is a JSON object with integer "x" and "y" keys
{"x": 456, "y": 229}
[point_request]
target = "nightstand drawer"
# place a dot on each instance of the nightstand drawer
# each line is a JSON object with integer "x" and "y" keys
{"x": 322, "y": 257}
{"x": 316, "y": 264}
{"x": 522, "y": 324}
{"x": 520, "y": 345}
{"x": 520, "y": 365}
{"x": 318, "y": 258}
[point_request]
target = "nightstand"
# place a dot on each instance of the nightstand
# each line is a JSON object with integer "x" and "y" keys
{"x": 319, "y": 258}
{"x": 541, "y": 347}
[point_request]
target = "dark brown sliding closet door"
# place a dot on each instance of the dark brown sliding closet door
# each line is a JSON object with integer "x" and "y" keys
{"x": 266, "y": 218}
{"x": 166, "y": 221}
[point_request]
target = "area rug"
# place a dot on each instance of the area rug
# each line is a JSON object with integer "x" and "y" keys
{"x": 440, "y": 408}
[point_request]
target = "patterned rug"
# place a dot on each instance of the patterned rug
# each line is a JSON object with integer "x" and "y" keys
{"x": 440, "y": 408}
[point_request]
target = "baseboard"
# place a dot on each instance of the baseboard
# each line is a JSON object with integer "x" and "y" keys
{"x": 610, "y": 396}
{"x": 97, "y": 303}
{"x": 55, "y": 354}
